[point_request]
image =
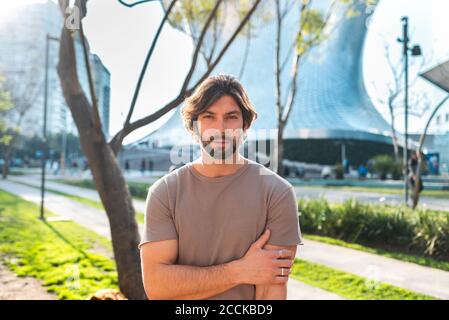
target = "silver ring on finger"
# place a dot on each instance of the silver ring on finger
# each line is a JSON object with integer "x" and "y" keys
{"x": 282, "y": 271}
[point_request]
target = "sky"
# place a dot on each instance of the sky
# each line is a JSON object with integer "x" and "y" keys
{"x": 121, "y": 37}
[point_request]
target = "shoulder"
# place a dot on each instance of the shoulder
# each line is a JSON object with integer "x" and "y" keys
{"x": 269, "y": 179}
{"x": 166, "y": 185}
{"x": 273, "y": 186}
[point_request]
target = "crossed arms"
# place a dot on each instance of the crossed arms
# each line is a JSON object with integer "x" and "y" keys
{"x": 261, "y": 266}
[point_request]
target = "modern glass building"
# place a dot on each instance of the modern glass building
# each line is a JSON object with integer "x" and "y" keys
{"x": 22, "y": 62}
{"x": 332, "y": 112}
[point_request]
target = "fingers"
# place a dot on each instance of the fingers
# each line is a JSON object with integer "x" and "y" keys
{"x": 281, "y": 254}
{"x": 283, "y": 272}
{"x": 280, "y": 280}
{"x": 262, "y": 239}
{"x": 283, "y": 263}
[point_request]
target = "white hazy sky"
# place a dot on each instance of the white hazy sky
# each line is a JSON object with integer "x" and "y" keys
{"x": 121, "y": 37}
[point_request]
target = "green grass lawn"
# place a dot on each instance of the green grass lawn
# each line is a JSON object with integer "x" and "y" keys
{"x": 63, "y": 255}
{"x": 348, "y": 285}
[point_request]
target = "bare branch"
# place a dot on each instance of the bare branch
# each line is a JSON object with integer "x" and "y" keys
{"x": 277, "y": 66}
{"x": 147, "y": 60}
{"x": 116, "y": 141}
{"x": 429, "y": 121}
{"x": 199, "y": 44}
{"x": 130, "y": 5}
{"x": 227, "y": 45}
{"x": 246, "y": 53}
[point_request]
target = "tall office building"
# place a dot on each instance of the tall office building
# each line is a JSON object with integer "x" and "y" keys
{"x": 22, "y": 61}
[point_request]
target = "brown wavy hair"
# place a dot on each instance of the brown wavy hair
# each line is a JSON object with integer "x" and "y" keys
{"x": 209, "y": 91}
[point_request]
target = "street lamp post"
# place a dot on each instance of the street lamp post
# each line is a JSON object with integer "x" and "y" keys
{"x": 415, "y": 51}
{"x": 44, "y": 127}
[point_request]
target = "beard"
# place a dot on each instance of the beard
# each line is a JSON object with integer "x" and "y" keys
{"x": 221, "y": 152}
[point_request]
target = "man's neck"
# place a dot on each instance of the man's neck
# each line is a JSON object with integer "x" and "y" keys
{"x": 208, "y": 168}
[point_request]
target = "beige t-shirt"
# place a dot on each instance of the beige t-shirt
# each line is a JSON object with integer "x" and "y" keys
{"x": 215, "y": 220}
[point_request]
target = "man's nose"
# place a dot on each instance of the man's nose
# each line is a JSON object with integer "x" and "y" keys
{"x": 221, "y": 126}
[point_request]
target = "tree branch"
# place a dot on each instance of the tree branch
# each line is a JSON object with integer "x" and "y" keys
{"x": 130, "y": 5}
{"x": 147, "y": 60}
{"x": 96, "y": 114}
{"x": 228, "y": 44}
{"x": 117, "y": 140}
{"x": 199, "y": 44}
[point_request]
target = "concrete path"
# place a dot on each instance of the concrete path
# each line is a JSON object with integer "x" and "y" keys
{"x": 97, "y": 221}
{"x": 13, "y": 287}
{"x": 338, "y": 196}
{"x": 406, "y": 275}
{"x": 139, "y": 205}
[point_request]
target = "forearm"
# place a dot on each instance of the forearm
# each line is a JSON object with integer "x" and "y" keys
{"x": 271, "y": 292}
{"x": 192, "y": 282}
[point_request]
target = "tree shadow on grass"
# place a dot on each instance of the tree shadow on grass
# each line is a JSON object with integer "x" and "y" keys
{"x": 95, "y": 262}
{"x": 63, "y": 238}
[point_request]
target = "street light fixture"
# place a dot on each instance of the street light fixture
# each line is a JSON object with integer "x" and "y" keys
{"x": 44, "y": 127}
{"x": 415, "y": 51}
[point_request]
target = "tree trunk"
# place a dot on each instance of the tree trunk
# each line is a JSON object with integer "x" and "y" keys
{"x": 415, "y": 190}
{"x": 418, "y": 180}
{"x": 117, "y": 201}
{"x": 107, "y": 175}
{"x": 394, "y": 136}
{"x": 280, "y": 150}
{"x": 395, "y": 145}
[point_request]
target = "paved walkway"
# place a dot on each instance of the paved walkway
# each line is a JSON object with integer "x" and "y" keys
{"x": 406, "y": 275}
{"x": 97, "y": 221}
{"x": 13, "y": 287}
{"x": 139, "y": 205}
{"x": 338, "y": 196}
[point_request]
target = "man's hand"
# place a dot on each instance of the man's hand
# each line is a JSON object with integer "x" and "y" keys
{"x": 274, "y": 291}
{"x": 262, "y": 267}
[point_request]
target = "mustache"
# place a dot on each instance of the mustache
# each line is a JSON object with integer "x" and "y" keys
{"x": 226, "y": 139}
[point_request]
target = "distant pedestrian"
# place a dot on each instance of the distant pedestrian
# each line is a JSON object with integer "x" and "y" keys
{"x": 55, "y": 167}
{"x": 363, "y": 171}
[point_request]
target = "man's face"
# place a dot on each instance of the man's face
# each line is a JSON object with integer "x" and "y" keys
{"x": 221, "y": 128}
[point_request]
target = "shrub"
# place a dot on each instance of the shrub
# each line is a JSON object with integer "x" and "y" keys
{"x": 422, "y": 231}
{"x": 383, "y": 165}
{"x": 396, "y": 171}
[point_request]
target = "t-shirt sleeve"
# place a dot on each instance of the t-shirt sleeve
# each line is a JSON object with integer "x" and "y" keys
{"x": 158, "y": 223}
{"x": 283, "y": 220}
